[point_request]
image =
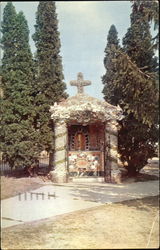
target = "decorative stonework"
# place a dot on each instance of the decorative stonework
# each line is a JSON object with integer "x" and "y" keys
{"x": 113, "y": 173}
{"x": 85, "y": 163}
{"x": 59, "y": 174}
{"x": 80, "y": 83}
{"x": 85, "y": 110}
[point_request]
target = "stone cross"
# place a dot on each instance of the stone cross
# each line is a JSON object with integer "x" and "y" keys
{"x": 80, "y": 83}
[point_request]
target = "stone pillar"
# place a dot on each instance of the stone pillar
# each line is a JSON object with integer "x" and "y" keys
{"x": 60, "y": 173}
{"x": 112, "y": 172}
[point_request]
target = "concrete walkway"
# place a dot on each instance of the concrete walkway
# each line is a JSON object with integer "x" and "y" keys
{"x": 52, "y": 200}
{"x": 152, "y": 168}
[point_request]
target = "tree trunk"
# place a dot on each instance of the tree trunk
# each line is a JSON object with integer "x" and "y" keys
{"x": 51, "y": 159}
{"x": 11, "y": 164}
{"x": 132, "y": 170}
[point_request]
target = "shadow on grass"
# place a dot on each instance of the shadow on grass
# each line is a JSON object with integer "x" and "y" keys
{"x": 143, "y": 204}
{"x": 146, "y": 177}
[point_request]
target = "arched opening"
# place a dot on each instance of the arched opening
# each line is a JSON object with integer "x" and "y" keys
{"x": 80, "y": 141}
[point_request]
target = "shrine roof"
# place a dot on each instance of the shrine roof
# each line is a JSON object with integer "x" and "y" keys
{"x": 85, "y": 108}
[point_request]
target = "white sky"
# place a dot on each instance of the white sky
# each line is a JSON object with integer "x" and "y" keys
{"x": 83, "y": 27}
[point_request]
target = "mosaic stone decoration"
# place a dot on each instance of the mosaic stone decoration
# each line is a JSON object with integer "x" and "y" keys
{"x": 85, "y": 164}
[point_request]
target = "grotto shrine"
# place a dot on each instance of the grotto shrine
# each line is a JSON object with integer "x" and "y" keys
{"x": 85, "y": 137}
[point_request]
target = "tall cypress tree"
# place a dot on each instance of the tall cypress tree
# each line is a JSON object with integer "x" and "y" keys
{"x": 137, "y": 80}
{"x": 18, "y": 135}
{"x": 50, "y": 85}
{"x": 110, "y": 92}
{"x": 8, "y": 45}
{"x": 8, "y": 38}
{"x": 137, "y": 42}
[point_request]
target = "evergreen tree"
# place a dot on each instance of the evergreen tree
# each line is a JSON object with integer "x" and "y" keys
{"x": 139, "y": 98}
{"x": 110, "y": 93}
{"x": 151, "y": 14}
{"x": 50, "y": 85}
{"x": 18, "y": 135}
{"x": 139, "y": 101}
{"x": 9, "y": 33}
{"x": 137, "y": 42}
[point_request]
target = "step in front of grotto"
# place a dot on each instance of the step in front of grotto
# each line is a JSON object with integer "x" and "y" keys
{"x": 86, "y": 179}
